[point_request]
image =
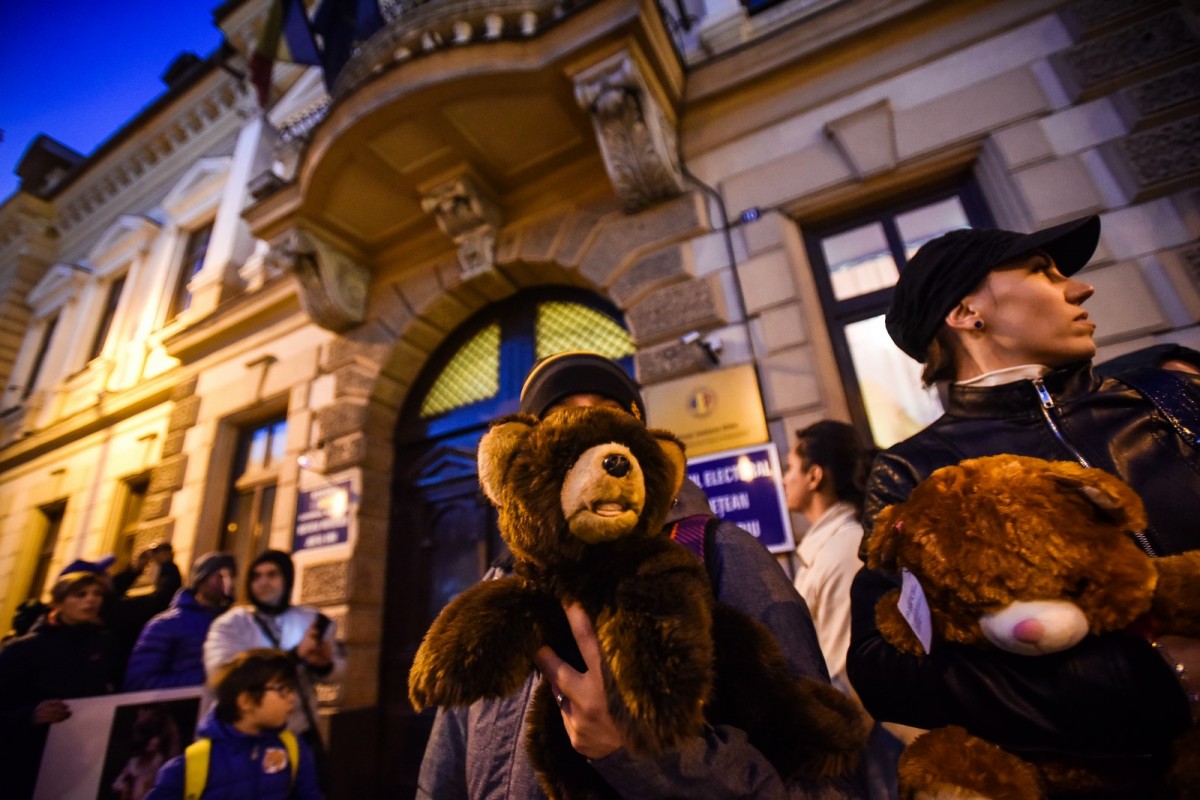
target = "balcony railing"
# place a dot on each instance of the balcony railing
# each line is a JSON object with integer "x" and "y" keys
{"x": 414, "y": 28}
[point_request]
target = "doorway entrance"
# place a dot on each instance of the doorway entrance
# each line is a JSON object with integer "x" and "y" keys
{"x": 443, "y": 534}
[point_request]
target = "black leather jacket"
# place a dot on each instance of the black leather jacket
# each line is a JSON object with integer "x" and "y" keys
{"x": 1110, "y": 695}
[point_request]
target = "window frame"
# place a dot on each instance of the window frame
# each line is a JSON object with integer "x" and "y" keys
{"x": 838, "y": 314}
{"x": 181, "y": 293}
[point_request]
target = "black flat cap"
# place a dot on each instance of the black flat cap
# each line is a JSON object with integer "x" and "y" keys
{"x": 948, "y": 268}
{"x": 577, "y": 372}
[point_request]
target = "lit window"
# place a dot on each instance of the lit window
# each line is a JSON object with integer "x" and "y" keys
{"x": 106, "y": 320}
{"x": 194, "y": 253}
{"x": 857, "y": 264}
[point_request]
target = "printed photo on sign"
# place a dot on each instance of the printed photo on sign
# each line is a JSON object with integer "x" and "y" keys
{"x": 109, "y": 746}
{"x": 142, "y": 739}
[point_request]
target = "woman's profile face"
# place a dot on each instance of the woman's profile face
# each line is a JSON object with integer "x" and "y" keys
{"x": 1033, "y": 314}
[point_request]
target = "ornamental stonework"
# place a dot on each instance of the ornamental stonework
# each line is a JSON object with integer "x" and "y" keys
{"x": 1164, "y": 156}
{"x": 1094, "y": 64}
{"x": 323, "y": 584}
{"x": 1161, "y": 95}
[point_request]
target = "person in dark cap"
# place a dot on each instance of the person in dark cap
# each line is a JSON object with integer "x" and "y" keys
{"x": 999, "y": 316}
{"x": 475, "y": 750}
{"x": 169, "y": 652}
{"x": 67, "y": 654}
{"x": 272, "y": 621}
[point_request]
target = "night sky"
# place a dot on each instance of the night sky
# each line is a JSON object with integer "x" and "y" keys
{"x": 78, "y": 70}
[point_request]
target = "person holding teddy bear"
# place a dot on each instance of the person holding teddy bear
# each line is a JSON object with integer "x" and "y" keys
{"x": 998, "y": 315}
{"x": 479, "y": 750}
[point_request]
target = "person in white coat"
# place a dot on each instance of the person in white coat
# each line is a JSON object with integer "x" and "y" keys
{"x": 272, "y": 621}
{"x": 825, "y": 482}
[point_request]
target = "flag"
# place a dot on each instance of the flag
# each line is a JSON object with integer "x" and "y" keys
{"x": 286, "y": 36}
{"x": 340, "y": 25}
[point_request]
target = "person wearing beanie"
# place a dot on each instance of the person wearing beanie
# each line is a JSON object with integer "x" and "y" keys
{"x": 169, "y": 651}
{"x": 270, "y": 620}
{"x": 67, "y": 654}
{"x": 998, "y": 316}
{"x": 473, "y": 750}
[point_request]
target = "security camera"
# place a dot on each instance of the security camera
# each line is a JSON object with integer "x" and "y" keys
{"x": 691, "y": 337}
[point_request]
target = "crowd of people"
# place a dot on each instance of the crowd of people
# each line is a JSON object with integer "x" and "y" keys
{"x": 95, "y": 637}
{"x": 995, "y": 317}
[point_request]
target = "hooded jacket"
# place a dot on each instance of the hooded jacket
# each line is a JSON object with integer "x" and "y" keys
{"x": 170, "y": 650}
{"x": 1110, "y": 695}
{"x": 242, "y": 766}
{"x": 245, "y": 627}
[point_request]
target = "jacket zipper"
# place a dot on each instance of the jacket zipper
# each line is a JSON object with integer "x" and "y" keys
{"x": 1049, "y": 409}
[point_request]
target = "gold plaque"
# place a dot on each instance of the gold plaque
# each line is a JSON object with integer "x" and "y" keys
{"x": 710, "y": 411}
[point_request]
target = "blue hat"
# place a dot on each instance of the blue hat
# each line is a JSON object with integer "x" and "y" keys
{"x": 99, "y": 566}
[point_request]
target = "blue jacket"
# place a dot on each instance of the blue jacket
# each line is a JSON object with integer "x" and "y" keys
{"x": 236, "y": 768}
{"x": 169, "y": 652}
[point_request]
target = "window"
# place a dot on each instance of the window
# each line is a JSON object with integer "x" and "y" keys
{"x": 193, "y": 259}
{"x": 260, "y": 453}
{"x": 857, "y": 263}
{"x": 106, "y": 320}
{"x": 39, "y": 359}
{"x": 132, "y": 496}
{"x": 51, "y": 523}
{"x": 502, "y": 344}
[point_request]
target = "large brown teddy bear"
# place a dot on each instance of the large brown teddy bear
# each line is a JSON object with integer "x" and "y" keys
{"x": 1028, "y": 556}
{"x": 582, "y": 498}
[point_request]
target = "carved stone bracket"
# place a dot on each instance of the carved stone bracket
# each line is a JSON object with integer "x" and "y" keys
{"x": 468, "y": 216}
{"x": 333, "y": 287}
{"x": 636, "y": 139}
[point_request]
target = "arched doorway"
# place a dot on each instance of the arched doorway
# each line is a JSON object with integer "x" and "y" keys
{"x": 443, "y": 533}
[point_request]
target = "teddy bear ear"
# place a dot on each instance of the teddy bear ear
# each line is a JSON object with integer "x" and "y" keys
{"x": 495, "y": 451}
{"x": 673, "y": 449}
{"x": 1111, "y": 499}
{"x": 884, "y": 542}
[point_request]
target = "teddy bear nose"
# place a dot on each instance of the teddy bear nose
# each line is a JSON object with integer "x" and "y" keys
{"x": 616, "y": 465}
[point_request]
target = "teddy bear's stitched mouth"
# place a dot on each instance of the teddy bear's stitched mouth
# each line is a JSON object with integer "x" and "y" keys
{"x": 609, "y": 508}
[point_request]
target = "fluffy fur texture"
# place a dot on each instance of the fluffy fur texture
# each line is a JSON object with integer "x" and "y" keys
{"x": 582, "y": 498}
{"x": 994, "y": 533}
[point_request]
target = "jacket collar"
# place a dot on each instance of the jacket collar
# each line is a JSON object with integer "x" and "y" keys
{"x": 1018, "y": 398}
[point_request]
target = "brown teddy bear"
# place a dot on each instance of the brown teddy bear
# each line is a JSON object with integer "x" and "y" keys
{"x": 582, "y": 498}
{"x": 1028, "y": 556}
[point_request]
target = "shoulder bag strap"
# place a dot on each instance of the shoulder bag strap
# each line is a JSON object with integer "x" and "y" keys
{"x": 195, "y": 768}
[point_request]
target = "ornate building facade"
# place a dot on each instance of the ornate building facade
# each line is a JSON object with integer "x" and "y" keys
{"x": 225, "y": 317}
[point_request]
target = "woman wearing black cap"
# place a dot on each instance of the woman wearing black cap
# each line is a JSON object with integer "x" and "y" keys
{"x": 999, "y": 316}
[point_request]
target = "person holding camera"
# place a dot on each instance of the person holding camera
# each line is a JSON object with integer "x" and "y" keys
{"x": 271, "y": 620}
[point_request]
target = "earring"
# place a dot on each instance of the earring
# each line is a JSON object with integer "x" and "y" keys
{"x": 978, "y": 324}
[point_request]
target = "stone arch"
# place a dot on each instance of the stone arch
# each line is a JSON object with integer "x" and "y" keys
{"x": 638, "y": 262}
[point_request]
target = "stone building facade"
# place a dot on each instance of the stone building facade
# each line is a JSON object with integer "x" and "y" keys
{"x": 223, "y": 311}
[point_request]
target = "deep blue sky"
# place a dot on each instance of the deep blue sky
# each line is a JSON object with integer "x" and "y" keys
{"x": 77, "y": 70}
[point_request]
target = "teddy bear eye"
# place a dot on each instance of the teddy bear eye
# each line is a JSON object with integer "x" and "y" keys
{"x": 1082, "y": 586}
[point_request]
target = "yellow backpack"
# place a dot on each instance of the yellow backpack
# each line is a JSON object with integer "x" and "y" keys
{"x": 199, "y": 752}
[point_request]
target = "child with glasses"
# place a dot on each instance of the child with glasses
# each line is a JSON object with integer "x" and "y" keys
{"x": 244, "y": 749}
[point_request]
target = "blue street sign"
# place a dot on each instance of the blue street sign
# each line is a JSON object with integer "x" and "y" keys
{"x": 745, "y": 486}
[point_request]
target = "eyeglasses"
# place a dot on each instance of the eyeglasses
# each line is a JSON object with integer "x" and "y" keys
{"x": 282, "y": 689}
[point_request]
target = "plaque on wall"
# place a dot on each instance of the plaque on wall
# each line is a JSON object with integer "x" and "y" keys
{"x": 711, "y": 411}
{"x": 322, "y": 517}
{"x": 745, "y": 487}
